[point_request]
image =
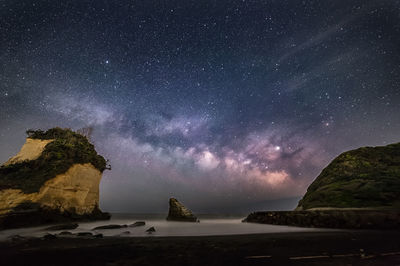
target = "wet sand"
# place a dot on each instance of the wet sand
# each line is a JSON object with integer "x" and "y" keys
{"x": 300, "y": 248}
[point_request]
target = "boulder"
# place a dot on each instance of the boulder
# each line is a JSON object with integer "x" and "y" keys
{"x": 138, "y": 223}
{"x": 68, "y": 226}
{"x": 53, "y": 179}
{"x": 110, "y": 226}
{"x": 178, "y": 212}
{"x": 151, "y": 230}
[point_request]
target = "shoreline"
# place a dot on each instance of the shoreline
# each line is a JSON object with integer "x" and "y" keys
{"x": 363, "y": 247}
{"x": 123, "y": 226}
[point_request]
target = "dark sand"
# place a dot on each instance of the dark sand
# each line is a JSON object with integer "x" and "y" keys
{"x": 310, "y": 248}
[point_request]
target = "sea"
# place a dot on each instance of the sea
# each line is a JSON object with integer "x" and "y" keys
{"x": 209, "y": 225}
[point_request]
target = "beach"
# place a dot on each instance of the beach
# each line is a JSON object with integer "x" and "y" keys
{"x": 301, "y": 248}
{"x": 213, "y": 241}
{"x": 209, "y": 225}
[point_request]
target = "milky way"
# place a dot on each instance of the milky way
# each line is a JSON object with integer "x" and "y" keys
{"x": 226, "y": 105}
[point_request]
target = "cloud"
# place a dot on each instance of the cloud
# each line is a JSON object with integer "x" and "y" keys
{"x": 327, "y": 33}
{"x": 265, "y": 165}
{"x": 207, "y": 161}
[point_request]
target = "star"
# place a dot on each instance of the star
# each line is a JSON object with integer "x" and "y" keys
{"x": 181, "y": 95}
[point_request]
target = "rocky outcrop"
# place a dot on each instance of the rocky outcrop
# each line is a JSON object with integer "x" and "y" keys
{"x": 367, "y": 177}
{"x": 151, "y": 230}
{"x": 358, "y": 189}
{"x": 69, "y": 226}
{"x": 138, "y": 223}
{"x": 178, "y": 212}
{"x": 346, "y": 219}
{"x": 54, "y": 178}
{"x": 110, "y": 226}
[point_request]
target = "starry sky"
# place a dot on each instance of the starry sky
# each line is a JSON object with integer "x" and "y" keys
{"x": 229, "y": 106}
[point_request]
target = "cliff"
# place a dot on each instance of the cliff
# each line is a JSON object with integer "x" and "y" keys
{"x": 358, "y": 189}
{"x": 367, "y": 177}
{"x": 55, "y": 177}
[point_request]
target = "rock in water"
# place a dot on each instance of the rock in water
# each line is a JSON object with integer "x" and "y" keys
{"x": 367, "y": 177}
{"x": 53, "y": 179}
{"x": 110, "y": 226}
{"x": 151, "y": 230}
{"x": 178, "y": 212}
{"x": 58, "y": 227}
{"x": 138, "y": 223}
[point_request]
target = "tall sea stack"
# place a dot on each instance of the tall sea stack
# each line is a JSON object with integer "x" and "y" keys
{"x": 178, "y": 212}
{"x": 54, "y": 178}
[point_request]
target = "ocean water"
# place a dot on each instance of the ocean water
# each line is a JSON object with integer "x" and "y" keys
{"x": 209, "y": 225}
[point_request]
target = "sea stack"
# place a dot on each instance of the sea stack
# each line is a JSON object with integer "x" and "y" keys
{"x": 178, "y": 212}
{"x": 54, "y": 178}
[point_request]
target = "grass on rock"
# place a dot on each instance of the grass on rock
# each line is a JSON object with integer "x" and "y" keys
{"x": 67, "y": 149}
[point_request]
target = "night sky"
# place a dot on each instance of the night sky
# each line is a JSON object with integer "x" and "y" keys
{"x": 227, "y": 105}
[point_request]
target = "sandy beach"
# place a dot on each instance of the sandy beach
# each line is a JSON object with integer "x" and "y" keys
{"x": 295, "y": 248}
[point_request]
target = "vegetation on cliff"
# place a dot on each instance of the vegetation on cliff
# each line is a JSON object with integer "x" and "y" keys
{"x": 67, "y": 149}
{"x": 365, "y": 177}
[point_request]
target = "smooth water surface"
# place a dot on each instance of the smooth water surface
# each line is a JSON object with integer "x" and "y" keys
{"x": 208, "y": 225}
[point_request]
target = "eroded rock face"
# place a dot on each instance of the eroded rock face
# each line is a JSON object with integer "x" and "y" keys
{"x": 77, "y": 191}
{"x": 31, "y": 150}
{"x": 66, "y": 196}
{"x": 178, "y": 212}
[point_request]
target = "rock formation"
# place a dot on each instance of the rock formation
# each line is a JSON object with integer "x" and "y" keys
{"x": 138, "y": 223}
{"x": 178, "y": 212}
{"x": 358, "y": 189}
{"x": 54, "y": 178}
{"x": 58, "y": 227}
{"x": 151, "y": 230}
{"x": 349, "y": 218}
{"x": 110, "y": 226}
{"x": 367, "y": 177}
